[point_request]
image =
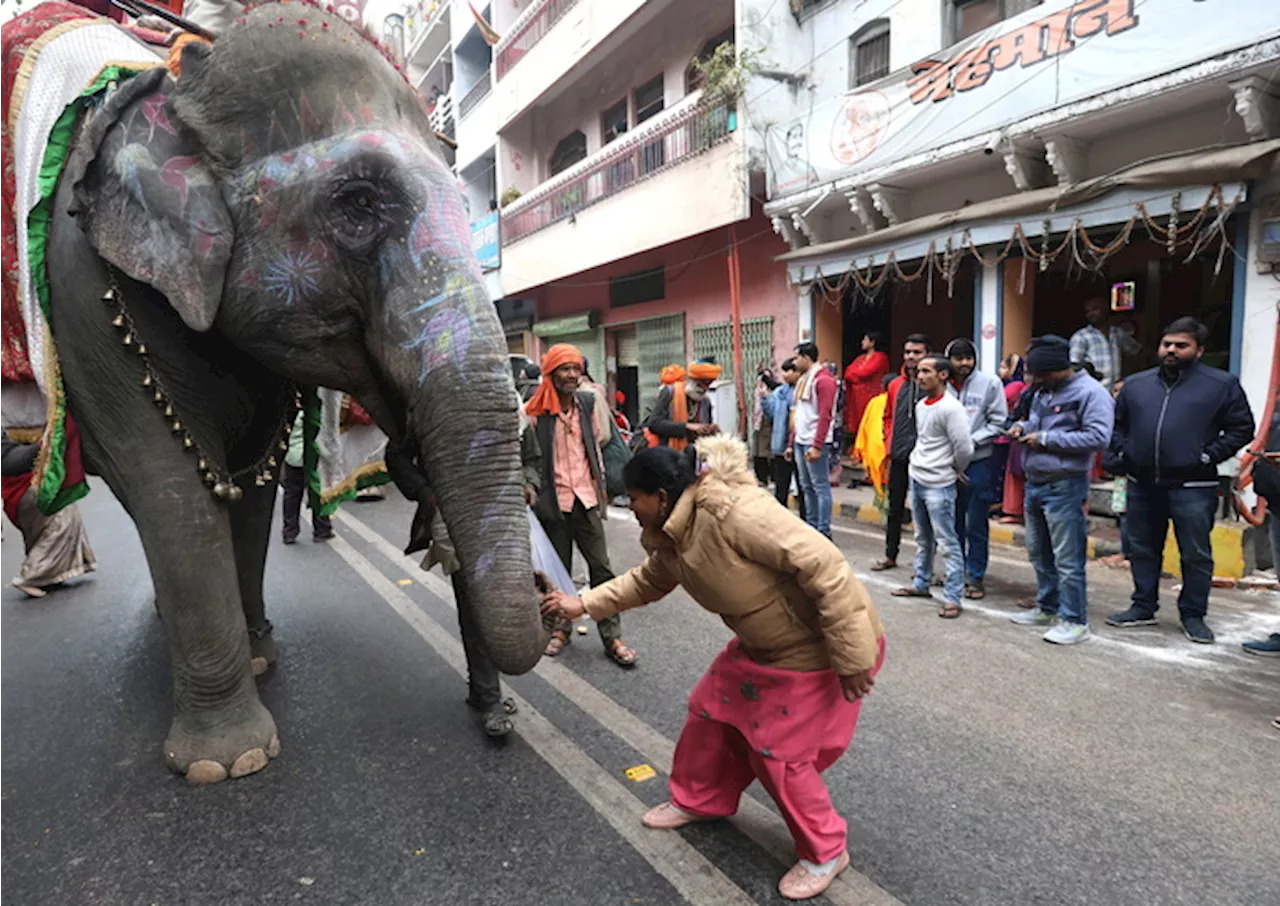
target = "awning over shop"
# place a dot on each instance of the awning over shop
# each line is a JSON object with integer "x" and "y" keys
{"x": 1186, "y": 183}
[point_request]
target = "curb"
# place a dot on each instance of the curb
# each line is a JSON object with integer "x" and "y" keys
{"x": 1227, "y": 539}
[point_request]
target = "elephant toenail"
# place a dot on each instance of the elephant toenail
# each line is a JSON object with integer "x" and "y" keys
{"x": 249, "y": 762}
{"x": 205, "y": 771}
{"x": 273, "y": 747}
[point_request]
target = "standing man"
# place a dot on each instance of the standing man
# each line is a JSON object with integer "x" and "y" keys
{"x": 1069, "y": 423}
{"x": 900, "y": 440}
{"x": 570, "y": 503}
{"x": 293, "y": 478}
{"x": 942, "y": 450}
{"x": 1100, "y": 345}
{"x": 982, "y": 396}
{"x": 682, "y": 412}
{"x": 780, "y": 404}
{"x": 814, "y": 429}
{"x": 1174, "y": 424}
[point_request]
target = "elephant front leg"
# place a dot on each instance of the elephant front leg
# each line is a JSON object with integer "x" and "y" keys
{"x": 220, "y": 727}
{"x": 250, "y": 538}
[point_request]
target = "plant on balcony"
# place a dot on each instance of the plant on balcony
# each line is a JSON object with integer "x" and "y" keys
{"x": 724, "y": 76}
{"x": 509, "y": 194}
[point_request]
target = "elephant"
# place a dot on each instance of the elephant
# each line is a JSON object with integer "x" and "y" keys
{"x": 276, "y": 217}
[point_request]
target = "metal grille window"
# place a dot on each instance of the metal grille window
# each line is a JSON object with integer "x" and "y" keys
{"x": 717, "y": 340}
{"x": 869, "y": 53}
{"x": 661, "y": 343}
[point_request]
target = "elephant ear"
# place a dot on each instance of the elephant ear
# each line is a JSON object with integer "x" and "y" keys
{"x": 149, "y": 203}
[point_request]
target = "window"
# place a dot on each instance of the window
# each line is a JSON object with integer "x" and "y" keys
{"x": 693, "y": 78}
{"x": 613, "y": 122}
{"x": 649, "y": 99}
{"x": 971, "y": 16}
{"x": 572, "y": 148}
{"x": 869, "y": 53}
{"x": 642, "y": 286}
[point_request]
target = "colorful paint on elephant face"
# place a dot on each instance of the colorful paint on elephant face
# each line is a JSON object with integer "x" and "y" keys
{"x": 445, "y": 339}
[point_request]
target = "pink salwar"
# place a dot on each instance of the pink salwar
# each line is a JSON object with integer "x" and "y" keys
{"x": 782, "y": 727}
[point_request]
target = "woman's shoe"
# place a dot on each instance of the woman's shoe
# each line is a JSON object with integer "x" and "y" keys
{"x": 668, "y": 817}
{"x": 800, "y": 883}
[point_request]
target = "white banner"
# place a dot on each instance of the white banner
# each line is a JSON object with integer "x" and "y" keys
{"x": 1054, "y": 54}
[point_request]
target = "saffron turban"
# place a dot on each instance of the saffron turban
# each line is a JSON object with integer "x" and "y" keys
{"x": 545, "y": 399}
{"x": 705, "y": 371}
{"x": 672, "y": 374}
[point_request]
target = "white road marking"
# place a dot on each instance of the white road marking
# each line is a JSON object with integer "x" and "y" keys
{"x": 686, "y": 869}
{"x": 754, "y": 820}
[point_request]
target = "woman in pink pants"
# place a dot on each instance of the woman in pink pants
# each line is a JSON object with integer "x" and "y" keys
{"x": 781, "y": 702}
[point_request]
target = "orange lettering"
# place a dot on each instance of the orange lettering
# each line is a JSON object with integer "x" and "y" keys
{"x": 1019, "y": 46}
{"x": 931, "y": 82}
{"x": 1093, "y": 16}
{"x": 973, "y": 69}
{"x": 1058, "y": 33}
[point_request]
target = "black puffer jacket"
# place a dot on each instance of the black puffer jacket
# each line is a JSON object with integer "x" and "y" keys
{"x": 1172, "y": 434}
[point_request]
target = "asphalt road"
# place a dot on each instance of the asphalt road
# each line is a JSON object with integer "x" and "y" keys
{"x": 989, "y": 767}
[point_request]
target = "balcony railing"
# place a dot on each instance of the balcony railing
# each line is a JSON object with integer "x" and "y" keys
{"x": 528, "y": 31}
{"x": 684, "y": 136}
{"x": 475, "y": 94}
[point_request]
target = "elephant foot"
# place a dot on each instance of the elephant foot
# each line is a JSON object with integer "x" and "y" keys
{"x": 208, "y": 750}
{"x": 262, "y": 649}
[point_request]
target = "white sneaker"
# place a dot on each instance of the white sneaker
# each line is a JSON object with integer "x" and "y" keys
{"x": 1035, "y": 617}
{"x": 1065, "y": 633}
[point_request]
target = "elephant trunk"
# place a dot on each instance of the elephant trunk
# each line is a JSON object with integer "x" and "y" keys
{"x": 466, "y": 423}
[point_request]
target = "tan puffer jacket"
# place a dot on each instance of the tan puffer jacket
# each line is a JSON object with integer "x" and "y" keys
{"x": 785, "y": 590}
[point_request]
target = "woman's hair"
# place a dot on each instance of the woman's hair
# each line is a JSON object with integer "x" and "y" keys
{"x": 876, "y": 338}
{"x": 661, "y": 469}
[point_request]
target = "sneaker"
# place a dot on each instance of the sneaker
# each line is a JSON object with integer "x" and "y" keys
{"x": 1064, "y": 632}
{"x": 1268, "y": 647}
{"x": 1035, "y": 617}
{"x": 290, "y": 539}
{"x": 1134, "y": 616}
{"x": 1197, "y": 630}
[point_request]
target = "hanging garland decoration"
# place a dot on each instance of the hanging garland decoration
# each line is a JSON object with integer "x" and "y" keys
{"x": 1176, "y": 233}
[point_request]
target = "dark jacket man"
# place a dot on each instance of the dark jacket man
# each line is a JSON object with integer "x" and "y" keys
{"x": 548, "y": 509}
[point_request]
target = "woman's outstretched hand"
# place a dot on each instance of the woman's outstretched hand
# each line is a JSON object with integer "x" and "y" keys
{"x": 857, "y": 685}
{"x": 567, "y": 606}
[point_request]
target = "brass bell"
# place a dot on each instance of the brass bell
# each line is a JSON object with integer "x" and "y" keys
{"x": 128, "y": 339}
{"x": 202, "y": 464}
{"x": 187, "y": 442}
{"x": 222, "y": 490}
{"x": 146, "y": 380}
{"x": 210, "y": 479}
{"x": 168, "y": 411}
{"x": 234, "y": 493}
{"x": 260, "y": 481}
{"x": 176, "y": 427}
{"x": 142, "y": 349}
{"x": 271, "y": 461}
{"x": 157, "y": 397}
{"x": 110, "y": 295}
{"x": 118, "y": 321}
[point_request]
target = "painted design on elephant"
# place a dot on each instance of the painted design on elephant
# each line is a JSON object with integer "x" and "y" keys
{"x": 485, "y": 438}
{"x": 294, "y": 277}
{"x": 185, "y": 174}
{"x": 157, "y": 116}
{"x": 446, "y": 338}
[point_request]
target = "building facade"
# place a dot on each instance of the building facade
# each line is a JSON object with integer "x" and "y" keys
{"x": 981, "y": 168}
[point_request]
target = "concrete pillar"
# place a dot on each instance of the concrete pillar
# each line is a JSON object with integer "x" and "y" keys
{"x": 804, "y": 315}
{"x": 987, "y": 317}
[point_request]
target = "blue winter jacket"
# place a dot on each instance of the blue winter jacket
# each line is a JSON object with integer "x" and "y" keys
{"x": 1172, "y": 434}
{"x": 779, "y": 404}
{"x": 1071, "y": 424}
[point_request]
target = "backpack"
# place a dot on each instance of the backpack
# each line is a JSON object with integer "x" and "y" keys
{"x": 616, "y": 454}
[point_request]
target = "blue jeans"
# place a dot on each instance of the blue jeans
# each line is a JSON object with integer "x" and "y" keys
{"x": 1192, "y": 511}
{"x": 815, "y": 484}
{"x": 1057, "y": 544}
{"x": 933, "y": 512}
{"x": 973, "y": 518}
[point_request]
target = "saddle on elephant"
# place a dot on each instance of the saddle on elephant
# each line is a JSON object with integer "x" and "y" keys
{"x": 60, "y": 61}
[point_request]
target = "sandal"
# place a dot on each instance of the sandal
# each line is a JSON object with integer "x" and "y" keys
{"x": 910, "y": 591}
{"x": 1027, "y": 603}
{"x": 974, "y": 591}
{"x": 950, "y": 611}
{"x": 559, "y": 642}
{"x": 496, "y": 722}
{"x": 883, "y": 564}
{"x": 620, "y": 653}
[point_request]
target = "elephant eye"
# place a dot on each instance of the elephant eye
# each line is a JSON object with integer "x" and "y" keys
{"x": 359, "y": 211}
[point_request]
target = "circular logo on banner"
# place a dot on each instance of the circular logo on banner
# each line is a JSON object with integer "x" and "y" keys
{"x": 860, "y": 126}
{"x": 988, "y": 331}
{"x": 351, "y": 10}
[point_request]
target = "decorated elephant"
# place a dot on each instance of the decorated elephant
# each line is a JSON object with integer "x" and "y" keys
{"x": 276, "y": 218}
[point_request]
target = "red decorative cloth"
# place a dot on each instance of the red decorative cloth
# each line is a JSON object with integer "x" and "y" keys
{"x": 18, "y": 35}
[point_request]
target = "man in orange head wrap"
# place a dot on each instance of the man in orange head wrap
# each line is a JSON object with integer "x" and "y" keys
{"x": 673, "y": 422}
{"x": 572, "y": 501}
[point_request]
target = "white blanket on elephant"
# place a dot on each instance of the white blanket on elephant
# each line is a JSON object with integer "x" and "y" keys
{"x": 65, "y": 68}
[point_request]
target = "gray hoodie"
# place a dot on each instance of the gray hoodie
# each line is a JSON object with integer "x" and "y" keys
{"x": 982, "y": 396}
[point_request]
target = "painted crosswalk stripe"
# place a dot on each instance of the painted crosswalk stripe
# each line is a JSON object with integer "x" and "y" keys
{"x": 761, "y": 825}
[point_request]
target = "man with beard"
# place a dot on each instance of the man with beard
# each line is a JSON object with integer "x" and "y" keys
{"x": 682, "y": 412}
{"x": 1174, "y": 424}
{"x": 900, "y": 440}
{"x": 982, "y": 396}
